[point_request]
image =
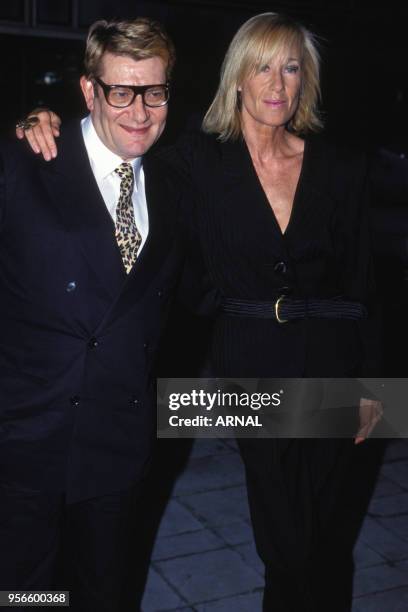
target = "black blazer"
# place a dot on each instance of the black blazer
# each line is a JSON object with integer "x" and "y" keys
{"x": 78, "y": 337}
{"x": 324, "y": 252}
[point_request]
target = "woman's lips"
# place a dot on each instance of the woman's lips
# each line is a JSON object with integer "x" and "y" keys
{"x": 275, "y": 102}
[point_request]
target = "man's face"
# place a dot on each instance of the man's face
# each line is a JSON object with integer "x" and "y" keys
{"x": 129, "y": 132}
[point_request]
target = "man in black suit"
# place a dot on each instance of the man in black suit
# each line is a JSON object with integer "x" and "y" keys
{"x": 89, "y": 259}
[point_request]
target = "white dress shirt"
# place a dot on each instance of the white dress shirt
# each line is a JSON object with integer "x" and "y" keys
{"x": 103, "y": 163}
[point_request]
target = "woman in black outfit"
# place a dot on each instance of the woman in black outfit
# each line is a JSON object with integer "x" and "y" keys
{"x": 281, "y": 222}
{"x": 280, "y": 215}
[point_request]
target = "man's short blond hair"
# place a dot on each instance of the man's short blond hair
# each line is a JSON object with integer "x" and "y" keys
{"x": 140, "y": 38}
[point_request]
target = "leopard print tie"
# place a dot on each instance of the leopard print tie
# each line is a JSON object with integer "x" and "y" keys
{"x": 127, "y": 235}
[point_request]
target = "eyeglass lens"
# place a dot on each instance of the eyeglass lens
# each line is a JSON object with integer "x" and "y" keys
{"x": 124, "y": 96}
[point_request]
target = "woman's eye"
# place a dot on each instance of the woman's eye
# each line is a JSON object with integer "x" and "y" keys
{"x": 292, "y": 69}
{"x": 264, "y": 68}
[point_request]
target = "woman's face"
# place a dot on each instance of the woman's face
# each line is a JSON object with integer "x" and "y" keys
{"x": 270, "y": 98}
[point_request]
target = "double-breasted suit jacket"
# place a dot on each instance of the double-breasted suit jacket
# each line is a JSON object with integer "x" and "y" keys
{"x": 78, "y": 336}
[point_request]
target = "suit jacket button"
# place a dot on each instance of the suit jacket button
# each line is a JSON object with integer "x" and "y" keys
{"x": 160, "y": 293}
{"x": 280, "y": 268}
{"x": 93, "y": 343}
{"x": 71, "y": 286}
{"x": 134, "y": 400}
{"x": 75, "y": 400}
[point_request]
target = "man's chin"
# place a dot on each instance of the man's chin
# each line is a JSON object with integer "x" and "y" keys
{"x": 136, "y": 146}
{"x": 135, "y": 151}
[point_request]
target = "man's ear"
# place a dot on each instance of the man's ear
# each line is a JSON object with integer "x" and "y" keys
{"x": 87, "y": 88}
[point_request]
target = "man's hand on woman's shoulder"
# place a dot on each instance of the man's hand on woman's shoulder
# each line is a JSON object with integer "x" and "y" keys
{"x": 42, "y": 134}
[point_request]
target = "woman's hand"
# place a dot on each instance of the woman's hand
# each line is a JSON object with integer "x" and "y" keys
{"x": 42, "y": 133}
{"x": 370, "y": 413}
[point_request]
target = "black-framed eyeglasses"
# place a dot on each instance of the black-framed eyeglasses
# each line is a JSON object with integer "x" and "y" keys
{"x": 121, "y": 96}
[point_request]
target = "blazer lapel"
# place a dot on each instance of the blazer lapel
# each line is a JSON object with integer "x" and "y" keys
{"x": 70, "y": 181}
{"x": 71, "y": 184}
{"x": 250, "y": 196}
{"x": 246, "y": 199}
{"x": 311, "y": 203}
{"x": 162, "y": 204}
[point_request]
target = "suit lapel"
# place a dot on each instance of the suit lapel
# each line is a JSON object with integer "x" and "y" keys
{"x": 312, "y": 203}
{"x": 250, "y": 196}
{"x": 74, "y": 191}
{"x": 246, "y": 200}
{"x": 162, "y": 208}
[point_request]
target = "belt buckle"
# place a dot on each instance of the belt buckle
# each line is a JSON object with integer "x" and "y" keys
{"x": 278, "y": 318}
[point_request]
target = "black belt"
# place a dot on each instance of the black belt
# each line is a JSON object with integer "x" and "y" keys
{"x": 289, "y": 309}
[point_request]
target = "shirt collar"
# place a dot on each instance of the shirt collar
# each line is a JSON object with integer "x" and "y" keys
{"x": 103, "y": 160}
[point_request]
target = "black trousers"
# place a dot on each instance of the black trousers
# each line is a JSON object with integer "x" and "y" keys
{"x": 307, "y": 499}
{"x": 88, "y": 548}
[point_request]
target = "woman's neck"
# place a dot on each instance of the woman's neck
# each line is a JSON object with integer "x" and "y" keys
{"x": 272, "y": 143}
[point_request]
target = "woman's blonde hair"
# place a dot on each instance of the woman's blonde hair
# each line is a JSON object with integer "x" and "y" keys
{"x": 140, "y": 38}
{"x": 259, "y": 40}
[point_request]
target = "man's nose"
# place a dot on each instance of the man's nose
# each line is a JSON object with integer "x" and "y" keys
{"x": 138, "y": 109}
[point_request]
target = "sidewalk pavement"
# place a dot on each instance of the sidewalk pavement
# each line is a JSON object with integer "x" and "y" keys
{"x": 204, "y": 559}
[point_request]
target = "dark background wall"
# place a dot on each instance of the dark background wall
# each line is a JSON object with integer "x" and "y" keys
{"x": 364, "y": 48}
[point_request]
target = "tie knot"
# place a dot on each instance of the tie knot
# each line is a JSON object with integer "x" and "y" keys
{"x": 125, "y": 171}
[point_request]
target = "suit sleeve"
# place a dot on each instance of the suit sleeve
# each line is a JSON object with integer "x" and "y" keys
{"x": 355, "y": 256}
{"x": 371, "y": 327}
{"x": 12, "y": 167}
{"x": 196, "y": 291}
{"x": 2, "y": 191}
